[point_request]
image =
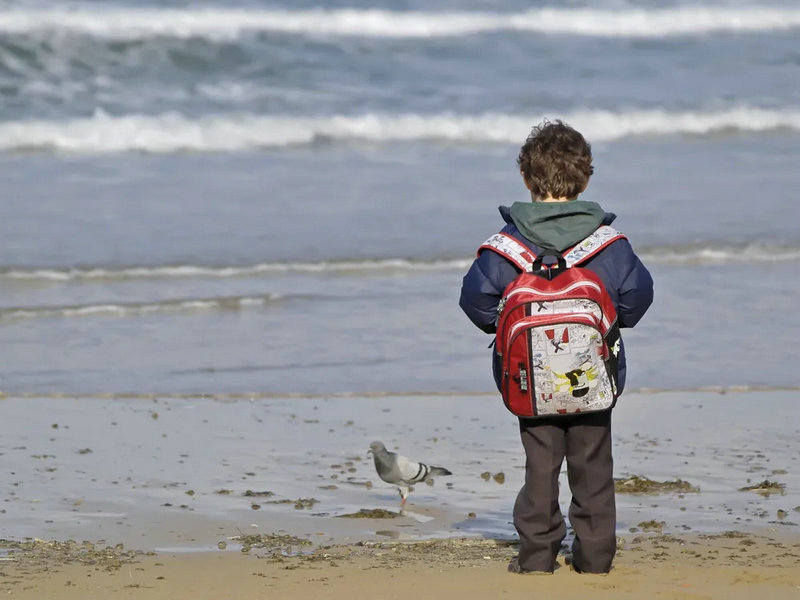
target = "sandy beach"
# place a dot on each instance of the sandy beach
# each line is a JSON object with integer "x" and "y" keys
{"x": 233, "y": 236}
{"x": 231, "y": 497}
{"x": 732, "y": 566}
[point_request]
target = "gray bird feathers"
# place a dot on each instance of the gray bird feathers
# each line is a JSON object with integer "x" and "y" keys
{"x": 401, "y": 471}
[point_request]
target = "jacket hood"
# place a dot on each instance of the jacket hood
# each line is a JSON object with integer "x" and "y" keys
{"x": 556, "y": 225}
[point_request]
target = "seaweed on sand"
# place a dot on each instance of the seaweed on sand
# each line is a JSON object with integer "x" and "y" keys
{"x": 638, "y": 484}
{"x": 275, "y": 543}
{"x": 36, "y": 552}
{"x": 765, "y": 488}
{"x": 371, "y": 513}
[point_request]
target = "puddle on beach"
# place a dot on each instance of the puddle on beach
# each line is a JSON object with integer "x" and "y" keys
{"x": 206, "y": 471}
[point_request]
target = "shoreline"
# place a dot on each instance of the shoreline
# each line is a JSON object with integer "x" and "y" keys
{"x": 183, "y": 475}
{"x": 168, "y": 492}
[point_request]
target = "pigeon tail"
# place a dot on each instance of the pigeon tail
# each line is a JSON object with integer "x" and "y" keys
{"x": 438, "y": 471}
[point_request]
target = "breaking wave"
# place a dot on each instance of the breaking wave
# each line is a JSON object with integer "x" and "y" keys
{"x": 211, "y": 272}
{"x": 719, "y": 255}
{"x": 173, "y": 132}
{"x": 227, "y": 23}
{"x": 138, "y": 308}
{"x": 666, "y": 255}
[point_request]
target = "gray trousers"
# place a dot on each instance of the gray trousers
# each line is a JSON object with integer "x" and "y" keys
{"x": 585, "y": 441}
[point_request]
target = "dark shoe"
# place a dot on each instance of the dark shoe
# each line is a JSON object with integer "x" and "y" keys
{"x": 577, "y": 569}
{"x": 514, "y": 567}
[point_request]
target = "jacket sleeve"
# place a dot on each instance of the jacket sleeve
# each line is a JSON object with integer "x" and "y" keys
{"x": 627, "y": 280}
{"x": 482, "y": 288}
{"x": 635, "y": 294}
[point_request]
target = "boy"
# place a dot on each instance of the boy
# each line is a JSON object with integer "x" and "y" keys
{"x": 556, "y": 163}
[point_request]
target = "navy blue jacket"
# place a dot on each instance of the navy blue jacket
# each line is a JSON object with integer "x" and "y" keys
{"x": 626, "y": 279}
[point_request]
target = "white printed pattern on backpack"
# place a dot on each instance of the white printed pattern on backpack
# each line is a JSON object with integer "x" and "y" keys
{"x": 569, "y": 375}
{"x": 523, "y": 257}
{"x": 511, "y": 249}
{"x": 568, "y": 372}
{"x": 602, "y": 236}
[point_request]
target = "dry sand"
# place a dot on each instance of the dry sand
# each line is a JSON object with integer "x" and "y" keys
{"x": 730, "y": 566}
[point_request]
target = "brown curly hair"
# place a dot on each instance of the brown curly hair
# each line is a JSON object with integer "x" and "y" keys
{"x": 555, "y": 160}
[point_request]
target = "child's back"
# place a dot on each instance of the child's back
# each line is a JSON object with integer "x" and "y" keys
{"x": 556, "y": 164}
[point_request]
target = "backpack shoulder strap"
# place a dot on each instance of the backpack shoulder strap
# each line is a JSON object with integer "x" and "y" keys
{"x": 584, "y": 250}
{"x": 511, "y": 249}
{"x": 519, "y": 254}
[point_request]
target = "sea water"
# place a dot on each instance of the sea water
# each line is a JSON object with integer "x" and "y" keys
{"x": 270, "y": 198}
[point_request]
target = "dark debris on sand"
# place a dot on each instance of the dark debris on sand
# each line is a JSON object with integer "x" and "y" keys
{"x": 385, "y": 555}
{"x": 637, "y": 484}
{"x": 766, "y": 488}
{"x": 41, "y": 554}
{"x": 371, "y": 513}
{"x": 275, "y": 544}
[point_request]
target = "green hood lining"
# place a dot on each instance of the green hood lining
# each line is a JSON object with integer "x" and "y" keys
{"x": 556, "y": 225}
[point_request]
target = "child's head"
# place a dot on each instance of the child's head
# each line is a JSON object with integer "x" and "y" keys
{"x": 555, "y": 161}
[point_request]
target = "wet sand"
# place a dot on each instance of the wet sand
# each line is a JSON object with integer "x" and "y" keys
{"x": 162, "y": 495}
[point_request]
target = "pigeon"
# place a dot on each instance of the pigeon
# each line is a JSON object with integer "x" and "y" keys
{"x": 401, "y": 471}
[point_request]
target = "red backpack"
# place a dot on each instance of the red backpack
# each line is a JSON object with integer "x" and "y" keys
{"x": 557, "y": 332}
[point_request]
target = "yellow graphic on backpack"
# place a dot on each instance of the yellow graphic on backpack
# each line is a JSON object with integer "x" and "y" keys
{"x": 577, "y": 382}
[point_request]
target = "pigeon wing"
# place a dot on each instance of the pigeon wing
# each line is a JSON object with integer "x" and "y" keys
{"x": 411, "y": 471}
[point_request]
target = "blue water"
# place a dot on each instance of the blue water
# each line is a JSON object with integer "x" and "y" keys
{"x": 280, "y": 198}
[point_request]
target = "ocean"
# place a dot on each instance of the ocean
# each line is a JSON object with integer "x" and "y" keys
{"x": 263, "y": 199}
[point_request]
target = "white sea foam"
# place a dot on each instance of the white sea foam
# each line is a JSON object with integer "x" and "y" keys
{"x": 668, "y": 255}
{"x": 196, "y": 271}
{"x": 173, "y": 132}
{"x": 137, "y": 308}
{"x": 722, "y": 255}
{"x": 226, "y": 23}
